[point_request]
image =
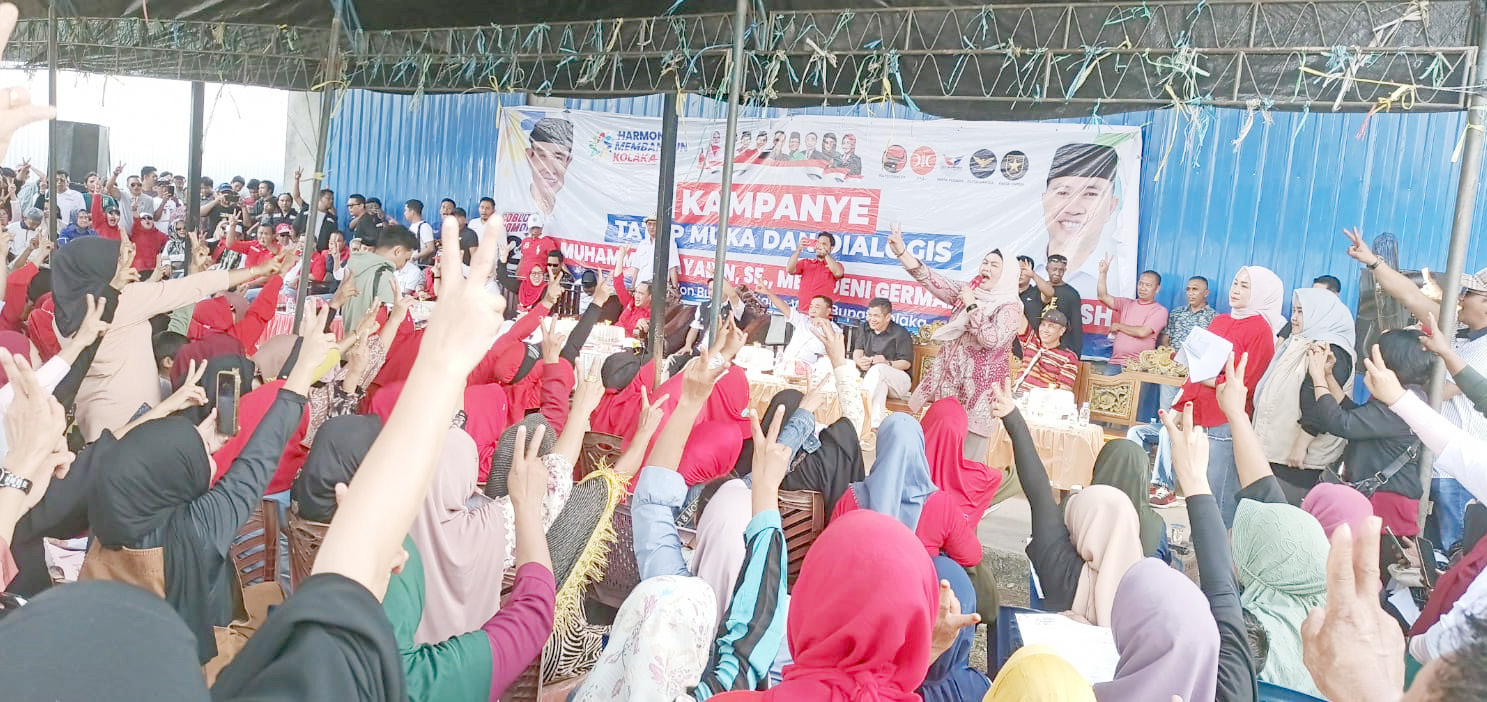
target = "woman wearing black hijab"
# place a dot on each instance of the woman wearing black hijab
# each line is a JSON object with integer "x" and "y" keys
{"x": 123, "y": 375}
{"x": 339, "y": 448}
{"x": 157, "y": 494}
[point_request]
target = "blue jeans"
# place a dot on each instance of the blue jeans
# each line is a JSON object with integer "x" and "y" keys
{"x": 1450, "y": 510}
{"x": 1161, "y": 473}
{"x": 1223, "y": 478}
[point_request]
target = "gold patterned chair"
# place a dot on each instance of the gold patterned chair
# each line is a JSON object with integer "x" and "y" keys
{"x": 1113, "y": 399}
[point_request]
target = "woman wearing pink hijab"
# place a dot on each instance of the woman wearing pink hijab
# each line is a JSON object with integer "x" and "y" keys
{"x": 974, "y": 344}
{"x": 1335, "y": 504}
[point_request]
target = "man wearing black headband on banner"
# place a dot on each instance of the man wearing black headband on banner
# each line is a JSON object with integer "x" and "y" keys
{"x": 1079, "y": 201}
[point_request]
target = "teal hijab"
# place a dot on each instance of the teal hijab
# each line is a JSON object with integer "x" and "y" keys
{"x": 1281, "y": 555}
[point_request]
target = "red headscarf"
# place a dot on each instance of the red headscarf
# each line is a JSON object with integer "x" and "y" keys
{"x": 618, "y": 412}
{"x": 212, "y": 315}
{"x": 864, "y": 638}
{"x": 725, "y": 407}
{"x": 41, "y": 328}
{"x": 16, "y": 343}
{"x": 201, "y": 351}
{"x": 711, "y": 451}
{"x": 486, "y": 416}
{"x": 382, "y": 403}
{"x": 400, "y": 357}
{"x": 972, "y": 484}
{"x": 528, "y": 294}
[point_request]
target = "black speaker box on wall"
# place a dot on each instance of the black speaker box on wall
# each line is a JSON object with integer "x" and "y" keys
{"x": 82, "y": 148}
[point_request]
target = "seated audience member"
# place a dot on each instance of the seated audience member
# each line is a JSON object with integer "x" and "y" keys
{"x": 166, "y": 345}
{"x": 1037, "y": 674}
{"x": 1299, "y": 457}
{"x": 1237, "y": 666}
{"x": 1167, "y": 640}
{"x": 1045, "y": 363}
{"x": 738, "y": 559}
{"x": 883, "y": 352}
{"x": 900, "y": 487}
{"x": 1081, "y": 555}
{"x": 971, "y": 484}
{"x": 375, "y": 272}
{"x": 1280, "y": 554}
{"x": 1138, "y": 323}
{"x": 1124, "y": 466}
{"x": 805, "y": 355}
{"x": 950, "y": 677}
{"x": 871, "y": 636}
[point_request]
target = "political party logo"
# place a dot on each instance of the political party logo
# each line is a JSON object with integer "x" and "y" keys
{"x": 983, "y": 163}
{"x": 923, "y": 161}
{"x": 632, "y": 146}
{"x": 894, "y": 158}
{"x": 1014, "y": 165}
{"x": 953, "y": 163}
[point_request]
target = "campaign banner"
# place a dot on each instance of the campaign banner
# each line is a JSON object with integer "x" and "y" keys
{"x": 958, "y": 191}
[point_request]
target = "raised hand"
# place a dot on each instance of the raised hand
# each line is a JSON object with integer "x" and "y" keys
{"x": 896, "y": 244}
{"x": 552, "y": 341}
{"x": 190, "y": 394}
{"x": 1231, "y": 393}
{"x": 771, "y": 463}
{"x": 1382, "y": 383}
{"x": 92, "y": 325}
{"x": 467, "y": 319}
{"x": 831, "y": 336}
{"x": 34, "y": 424}
{"x": 527, "y": 479}
{"x": 124, "y": 271}
{"x": 949, "y": 622}
{"x": 587, "y": 395}
{"x": 813, "y": 398}
{"x": 652, "y": 415}
{"x": 344, "y": 292}
{"x": 1351, "y": 647}
{"x": 1433, "y": 340}
{"x": 699, "y": 377}
{"x": 1003, "y": 402}
{"x": 1105, "y": 264}
{"x": 1189, "y": 450}
{"x": 1358, "y": 250}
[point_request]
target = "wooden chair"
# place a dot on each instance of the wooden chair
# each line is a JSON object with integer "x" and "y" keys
{"x": 255, "y": 551}
{"x": 598, "y": 449}
{"x": 622, "y": 573}
{"x": 803, "y": 515}
{"x": 305, "y": 537}
{"x": 1113, "y": 399}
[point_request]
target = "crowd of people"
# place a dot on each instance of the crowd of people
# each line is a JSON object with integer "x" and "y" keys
{"x": 149, "y": 417}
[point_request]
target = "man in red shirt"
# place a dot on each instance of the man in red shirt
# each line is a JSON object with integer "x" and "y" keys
{"x": 265, "y": 247}
{"x": 534, "y": 249}
{"x": 818, "y": 275}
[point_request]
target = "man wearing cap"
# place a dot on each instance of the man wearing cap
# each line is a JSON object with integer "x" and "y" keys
{"x": 1045, "y": 363}
{"x": 148, "y": 240}
{"x": 25, "y": 230}
{"x": 1061, "y": 296}
{"x": 1471, "y": 343}
{"x": 642, "y": 266}
{"x": 534, "y": 248}
{"x": 1078, "y": 202}
{"x": 217, "y": 208}
{"x": 106, "y": 218}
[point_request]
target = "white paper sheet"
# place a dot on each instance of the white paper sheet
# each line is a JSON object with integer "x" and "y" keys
{"x": 1204, "y": 353}
{"x": 1090, "y": 649}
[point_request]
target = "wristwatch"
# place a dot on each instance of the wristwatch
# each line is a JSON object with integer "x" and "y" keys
{"x": 1375, "y": 264}
{"x": 11, "y": 480}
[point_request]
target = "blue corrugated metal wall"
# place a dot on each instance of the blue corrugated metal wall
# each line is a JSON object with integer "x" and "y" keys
{"x": 1280, "y": 200}
{"x": 380, "y": 146}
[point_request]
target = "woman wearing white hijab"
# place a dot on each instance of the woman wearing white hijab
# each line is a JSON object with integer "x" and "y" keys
{"x": 659, "y": 645}
{"x": 975, "y": 343}
{"x": 1250, "y": 326}
{"x": 1297, "y": 456}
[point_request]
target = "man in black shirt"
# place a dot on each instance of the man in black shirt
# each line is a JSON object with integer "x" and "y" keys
{"x": 1062, "y": 296}
{"x": 883, "y": 352}
{"x": 365, "y": 224}
{"x": 469, "y": 242}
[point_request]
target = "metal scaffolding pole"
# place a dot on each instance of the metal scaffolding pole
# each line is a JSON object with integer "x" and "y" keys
{"x": 1461, "y": 228}
{"x": 329, "y": 82}
{"x": 725, "y": 192}
{"x": 46, "y": 173}
{"x": 665, "y": 189}
{"x": 193, "y": 157}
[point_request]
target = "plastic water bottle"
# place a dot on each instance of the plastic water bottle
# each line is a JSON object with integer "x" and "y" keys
{"x": 1084, "y": 413}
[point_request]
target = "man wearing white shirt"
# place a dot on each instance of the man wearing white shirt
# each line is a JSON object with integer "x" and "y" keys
{"x": 428, "y": 240}
{"x": 487, "y": 210}
{"x": 24, "y": 231}
{"x": 644, "y": 259}
{"x": 806, "y": 353}
{"x": 69, "y": 201}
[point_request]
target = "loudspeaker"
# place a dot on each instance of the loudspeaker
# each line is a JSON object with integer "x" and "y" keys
{"x": 82, "y": 148}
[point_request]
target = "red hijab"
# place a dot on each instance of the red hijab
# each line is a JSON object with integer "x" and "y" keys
{"x": 382, "y": 403}
{"x": 201, "y": 351}
{"x": 711, "y": 451}
{"x": 724, "y": 408}
{"x": 39, "y": 326}
{"x": 15, "y": 343}
{"x": 863, "y": 638}
{"x": 972, "y": 484}
{"x": 486, "y": 416}
{"x": 529, "y": 295}
{"x": 618, "y": 412}
{"x": 212, "y": 315}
